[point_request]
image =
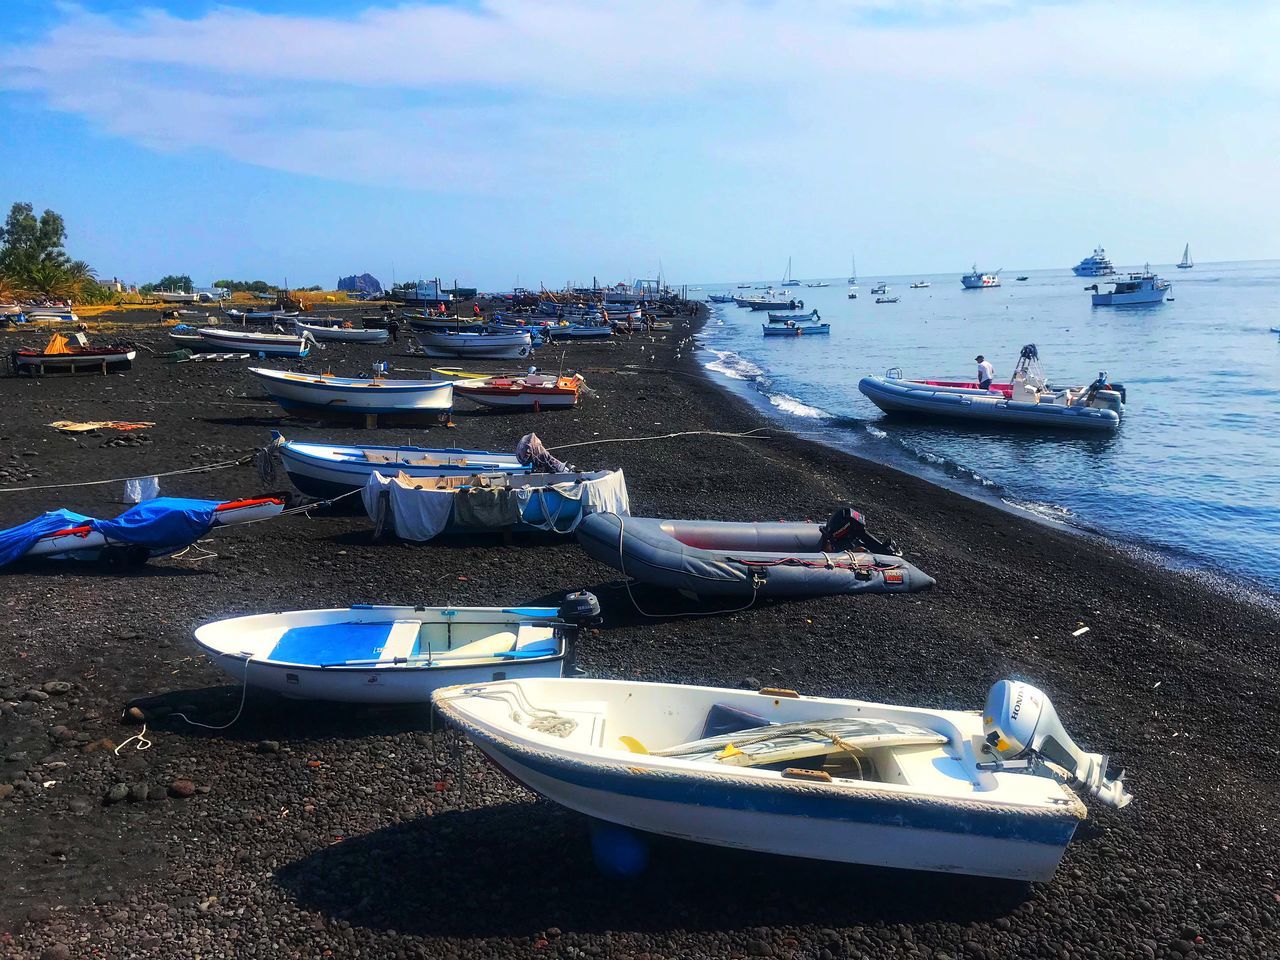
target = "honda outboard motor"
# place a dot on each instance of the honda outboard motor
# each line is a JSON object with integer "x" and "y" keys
{"x": 1020, "y": 722}
{"x": 580, "y": 607}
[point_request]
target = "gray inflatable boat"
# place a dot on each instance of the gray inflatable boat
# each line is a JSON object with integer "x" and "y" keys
{"x": 711, "y": 558}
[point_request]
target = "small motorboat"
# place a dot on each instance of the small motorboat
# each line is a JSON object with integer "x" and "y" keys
{"x": 1027, "y": 400}
{"x": 467, "y": 324}
{"x": 792, "y": 318}
{"x": 879, "y": 288}
{"x": 1020, "y": 279}
{"x": 153, "y": 528}
{"x": 577, "y": 331}
{"x": 720, "y": 298}
{"x": 534, "y": 391}
{"x": 818, "y": 284}
{"x": 1135, "y": 289}
{"x": 329, "y": 396}
{"x": 72, "y": 354}
{"x": 423, "y": 508}
{"x": 341, "y": 334}
{"x": 51, "y": 315}
{"x": 793, "y": 329}
{"x": 267, "y": 344}
{"x": 329, "y": 470}
{"x": 711, "y": 558}
{"x": 921, "y": 285}
{"x": 479, "y": 346}
{"x": 393, "y": 654}
{"x": 771, "y": 303}
{"x": 772, "y": 771}
{"x": 887, "y": 299}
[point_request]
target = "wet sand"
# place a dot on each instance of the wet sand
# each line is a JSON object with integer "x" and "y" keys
{"x": 319, "y": 828}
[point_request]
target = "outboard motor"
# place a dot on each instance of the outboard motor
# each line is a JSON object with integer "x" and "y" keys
{"x": 1021, "y": 723}
{"x": 846, "y": 529}
{"x": 1108, "y": 396}
{"x": 580, "y": 607}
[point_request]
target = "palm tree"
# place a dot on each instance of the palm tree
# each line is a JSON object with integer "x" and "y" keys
{"x": 47, "y": 278}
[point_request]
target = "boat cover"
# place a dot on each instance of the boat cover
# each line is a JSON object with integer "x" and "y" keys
{"x": 707, "y": 557}
{"x": 423, "y": 508}
{"x": 163, "y": 523}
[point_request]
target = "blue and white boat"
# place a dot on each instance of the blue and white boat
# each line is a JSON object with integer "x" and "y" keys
{"x": 793, "y": 329}
{"x": 265, "y": 344}
{"x": 504, "y": 345}
{"x": 772, "y": 771}
{"x": 1097, "y": 264}
{"x": 387, "y": 654}
{"x": 975, "y": 279}
{"x": 1136, "y": 288}
{"x": 329, "y": 469}
{"x": 328, "y": 396}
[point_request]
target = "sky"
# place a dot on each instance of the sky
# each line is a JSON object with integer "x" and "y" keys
{"x": 541, "y": 141}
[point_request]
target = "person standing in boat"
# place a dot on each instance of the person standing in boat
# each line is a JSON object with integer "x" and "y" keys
{"x": 985, "y": 372}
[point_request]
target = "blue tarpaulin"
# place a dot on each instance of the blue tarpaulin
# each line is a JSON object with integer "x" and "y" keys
{"x": 165, "y": 523}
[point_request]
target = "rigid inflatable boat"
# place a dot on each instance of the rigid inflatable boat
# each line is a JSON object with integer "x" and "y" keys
{"x": 711, "y": 558}
{"x": 1028, "y": 399}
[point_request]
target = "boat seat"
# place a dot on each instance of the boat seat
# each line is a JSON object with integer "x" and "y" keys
{"x": 401, "y": 642}
{"x": 417, "y": 459}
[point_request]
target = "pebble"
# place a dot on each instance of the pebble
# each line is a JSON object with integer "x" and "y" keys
{"x": 138, "y": 792}
{"x": 182, "y": 788}
{"x": 268, "y": 746}
{"x": 57, "y": 687}
{"x": 116, "y": 792}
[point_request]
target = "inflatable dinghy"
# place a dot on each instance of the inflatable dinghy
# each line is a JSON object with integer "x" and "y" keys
{"x": 711, "y": 558}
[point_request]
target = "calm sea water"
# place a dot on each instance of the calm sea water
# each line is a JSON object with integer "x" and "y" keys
{"x": 1193, "y": 472}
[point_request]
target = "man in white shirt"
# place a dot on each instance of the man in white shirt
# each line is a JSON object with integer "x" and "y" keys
{"x": 985, "y": 372}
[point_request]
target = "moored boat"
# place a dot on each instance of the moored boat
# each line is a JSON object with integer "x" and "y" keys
{"x": 921, "y": 285}
{"x": 480, "y": 346}
{"x": 1097, "y": 264}
{"x": 887, "y": 299}
{"x": 975, "y": 279}
{"x": 326, "y": 395}
{"x": 391, "y": 654}
{"x": 72, "y": 354}
{"x": 1186, "y": 263}
{"x": 792, "y": 318}
{"x": 341, "y": 334}
{"x": 329, "y": 470}
{"x": 267, "y": 344}
{"x": 776, "y": 304}
{"x": 712, "y": 558}
{"x": 793, "y": 329}
{"x": 772, "y": 771}
{"x": 1136, "y": 288}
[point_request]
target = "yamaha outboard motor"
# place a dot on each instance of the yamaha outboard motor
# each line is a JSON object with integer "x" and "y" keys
{"x": 1020, "y": 723}
{"x": 846, "y": 529}
{"x": 580, "y": 607}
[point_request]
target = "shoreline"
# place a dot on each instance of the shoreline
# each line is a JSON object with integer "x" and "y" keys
{"x": 315, "y": 828}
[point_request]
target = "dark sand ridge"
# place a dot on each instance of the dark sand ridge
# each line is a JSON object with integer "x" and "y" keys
{"x": 362, "y": 833}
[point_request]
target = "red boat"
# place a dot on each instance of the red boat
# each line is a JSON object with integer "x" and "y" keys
{"x": 74, "y": 355}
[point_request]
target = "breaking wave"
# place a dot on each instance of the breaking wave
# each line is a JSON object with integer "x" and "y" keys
{"x": 797, "y": 408}
{"x": 733, "y": 365}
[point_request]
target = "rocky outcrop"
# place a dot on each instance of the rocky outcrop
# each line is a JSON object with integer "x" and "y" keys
{"x": 362, "y": 283}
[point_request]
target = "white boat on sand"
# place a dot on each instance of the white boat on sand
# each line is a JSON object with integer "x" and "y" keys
{"x": 267, "y": 344}
{"x": 327, "y": 395}
{"x": 772, "y": 771}
{"x": 388, "y": 654}
{"x": 339, "y": 334}
{"x": 479, "y": 346}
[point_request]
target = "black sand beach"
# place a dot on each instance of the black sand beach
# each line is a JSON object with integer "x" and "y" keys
{"x": 319, "y": 830}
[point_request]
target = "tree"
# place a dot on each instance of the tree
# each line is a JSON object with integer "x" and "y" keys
{"x": 173, "y": 283}
{"x": 25, "y": 241}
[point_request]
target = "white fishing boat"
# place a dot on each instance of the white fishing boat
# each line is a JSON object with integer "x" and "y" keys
{"x": 534, "y": 391}
{"x": 479, "y": 346}
{"x": 388, "y": 654}
{"x": 267, "y": 344}
{"x": 1136, "y": 288}
{"x": 326, "y": 395}
{"x": 977, "y": 280}
{"x": 175, "y": 296}
{"x": 1186, "y": 263}
{"x": 329, "y": 470}
{"x": 880, "y": 289}
{"x": 339, "y": 334}
{"x": 828, "y": 779}
{"x": 921, "y": 285}
{"x": 50, "y": 315}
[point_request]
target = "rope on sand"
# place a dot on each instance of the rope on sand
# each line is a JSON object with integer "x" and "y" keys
{"x": 221, "y": 465}
{"x": 749, "y": 435}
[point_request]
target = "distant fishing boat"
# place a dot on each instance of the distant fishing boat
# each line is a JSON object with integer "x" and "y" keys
{"x": 853, "y": 293}
{"x": 920, "y": 285}
{"x": 1137, "y": 288}
{"x": 977, "y": 280}
{"x": 819, "y": 283}
{"x": 1021, "y": 278}
{"x": 786, "y": 280}
{"x": 784, "y": 317}
{"x": 879, "y": 289}
{"x": 719, "y": 298}
{"x": 793, "y": 329}
{"x": 887, "y": 299}
{"x": 1186, "y": 263}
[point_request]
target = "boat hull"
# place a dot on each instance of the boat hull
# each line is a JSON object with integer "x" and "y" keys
{"x": 270, "y": 345}
{"x": 1130, "y": 299}
{"x": 86, "y": 361}
{"x": 806, "y": 330}
{"x": 523, "y": 399}
{"x": 903, "y": 397}
{"x": 320, "y": 395}
{"x": 476, "y": 346}
{"x": 344, "y": 334}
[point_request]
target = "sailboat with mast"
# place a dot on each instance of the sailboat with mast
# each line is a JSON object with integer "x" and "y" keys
{"x": 853, "y": 278}
{"x": 1186, "y": 263}
{"x": 786, "y": 280}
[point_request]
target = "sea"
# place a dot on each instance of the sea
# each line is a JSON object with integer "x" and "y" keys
{"x": 1192, "y": 476}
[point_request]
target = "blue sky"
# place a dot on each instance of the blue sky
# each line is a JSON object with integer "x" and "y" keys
{"x": 549, "y": 140}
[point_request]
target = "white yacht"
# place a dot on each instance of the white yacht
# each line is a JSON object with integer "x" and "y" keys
{"x": 1097, "y": 264}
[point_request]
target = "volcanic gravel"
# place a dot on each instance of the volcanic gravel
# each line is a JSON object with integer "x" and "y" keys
{"x": 311, "y": 830}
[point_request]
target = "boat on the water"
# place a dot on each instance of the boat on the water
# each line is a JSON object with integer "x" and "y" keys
{"x": 921, "y": 285}
{"x": 792, "y": 318}
{"x": 966, "y": 792}
{"x": 819, "y": 283}
{"x": 879, "y": 289}
{"x": 325, "y": 395}
{"x": 853, "y": 293}
{"x": 267, "y": 344}
{"x": 774, "y": 303}
{"x": 787, "y": 280}
{"x": 422, "y": 508}
{"x": 1021, "y": 278}
{"x": 329, "y": 469}
{"x": 1186, "y": 263}
{"x": 479, "y": 346}
{"x": 720, "y": 298}
{"x": 391, "y": 654}
{"x": 72, "y": 353}
{"x": 1028, "y": 399}
{"x": 975, "y": 279}
{"x": 153, "y": 528}
{"x": 533, "y": 391}
{"x": 853, "y": 271}
{"x": 1136, "y": 288}
{"x": 793, "y": 329}
{"x": 712, "y": 558}
{"x": 887, "y": 299}
{"x": 341, "y": 334}
{"x": 1097, "y": 264}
